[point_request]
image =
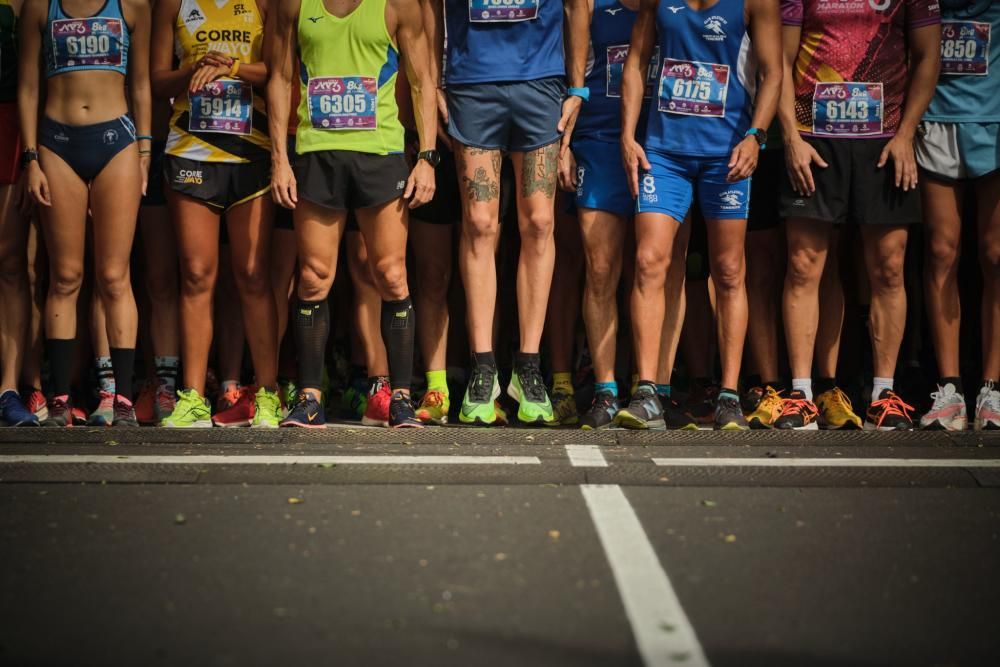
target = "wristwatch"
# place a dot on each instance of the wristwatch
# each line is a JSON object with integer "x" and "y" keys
{"x": 759, "y": 134}
{"x": 433, "y": 157}
{"x": 28, "y": 155}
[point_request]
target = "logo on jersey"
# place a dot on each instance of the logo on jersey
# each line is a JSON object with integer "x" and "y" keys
{"x": 189, "y": 177}
{"x": 613, "y": 11}
{"x": 239, "y": 9}
{"x": 731, "y": 199}
{"x": 580, "y": 173}
{"x": 314, "y": 19}
{"x": 716, "y": 32}
{"x": 193, "y": 17}
{"x": 649, "y": 189}
{"x": 110, "y": 137}
{"x": 879, "y": 5}
{"x": 675, "y": 9}
{"x": 400, "y": 185}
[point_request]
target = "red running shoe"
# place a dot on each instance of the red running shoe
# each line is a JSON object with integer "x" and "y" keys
{"x": 379, "y": 397}
{"x": 240, "y": 413}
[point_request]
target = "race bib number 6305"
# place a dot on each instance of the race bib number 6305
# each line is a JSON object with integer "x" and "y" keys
{"x": 343, "y": 102}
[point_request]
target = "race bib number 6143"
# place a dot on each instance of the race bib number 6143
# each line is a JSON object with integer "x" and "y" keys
{"x": 847, "y": 108}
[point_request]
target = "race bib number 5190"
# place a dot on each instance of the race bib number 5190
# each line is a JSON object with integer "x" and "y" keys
{"x": 343, "y": 102}
{"x": 847, "y": 108}
{"x": 502, "y": 11}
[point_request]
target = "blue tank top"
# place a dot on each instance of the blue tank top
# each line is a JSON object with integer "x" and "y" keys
{"x": 704, "y": 93}
{"x": 94, "y": 42}
{"x": 610, "y": 33}
{"x": 968, "y": 90}
{"x": 503, "y": 40}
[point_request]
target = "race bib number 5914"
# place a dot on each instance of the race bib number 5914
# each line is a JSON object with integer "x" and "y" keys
{"x": 222, "y": 106}
{"x": 343, "y": 102}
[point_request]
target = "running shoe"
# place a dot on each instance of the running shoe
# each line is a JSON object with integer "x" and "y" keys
{"x": 379, "y": 397}
{"x": 266, "y": 409}
{"x": 60, "y": 412}
{"x": 288, "y": 392}
{"x": 527, "y": 388}
{"x": 238, "y": 414}
{"x": 797, "y": 413}
{"x": 564, "y": 408}
{"x": 601, "y": 413}
{"x": 948, "y": 412}
{"x": 230, "y": 397}
{"x": 166, "y": 401}
{"x": 643, "y": 410}
{"x": 124, "y": 414}
{"x": 766, "y": 409}
{"x": 988, "y": 408}
{"x": 79, "y": 416}
{"x": 674, "y": 417}
{"x": 889, "y": 413}
{"x": 191, "y": 411}
{"x": 401, "y": 412}
{"x": 836, "y": 412}
{"x": 104, "y": 413}
{"x": 729, "y": 414}
{"x": 36, "y": 403}
{"x": 434, "y": 407}
{"x": 144, "y": 411}
{"x": 480, "y": 405}
{"x": 13, "y": 412}
{"x": 701, "y": 402}
{"x": 307, "y": 412}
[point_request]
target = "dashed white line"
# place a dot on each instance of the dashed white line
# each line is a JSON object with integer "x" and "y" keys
{"x": 291, "y": 459}
{"x": 825, "y": 463}
{"x": 586, "y": 456}
{"x": 661, "y": 628}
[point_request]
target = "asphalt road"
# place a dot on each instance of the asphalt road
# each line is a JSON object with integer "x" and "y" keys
{"x": 357, "y": 546}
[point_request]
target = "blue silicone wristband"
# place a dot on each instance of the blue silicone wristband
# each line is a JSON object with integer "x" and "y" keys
{"x": 582, "y": 93}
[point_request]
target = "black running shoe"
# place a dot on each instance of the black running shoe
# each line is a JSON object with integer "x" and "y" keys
{"x": 402, "y": 413}
{"x": 307, "y": 413}
{"x": 60, "y": 413}
{"x": 643, "y": 412}
{"x": 674, "y": 416}
{"x": 124, "y": 415}
{"x": 889, "y": 413}
{"x": 601, "y": 413}
{"x": 729, "y": 414}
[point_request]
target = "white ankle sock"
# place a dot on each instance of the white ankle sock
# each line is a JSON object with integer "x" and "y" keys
{"x": 805, "y": 385}
{"x": 879, "y": 385}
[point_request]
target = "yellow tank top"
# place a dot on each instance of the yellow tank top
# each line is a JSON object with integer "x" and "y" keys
{"x": 227, "y": 120}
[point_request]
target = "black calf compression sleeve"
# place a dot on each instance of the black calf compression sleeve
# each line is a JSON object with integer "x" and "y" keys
{"x": 398, "y": 324}
{"x": 312, "y": 326}
{"x": 123, "y": 363}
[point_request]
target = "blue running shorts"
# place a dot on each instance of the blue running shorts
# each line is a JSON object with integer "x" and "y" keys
{"x": 670, "y": 186}
{"x": 601, "y": 182}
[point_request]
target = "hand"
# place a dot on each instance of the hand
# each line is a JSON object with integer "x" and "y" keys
{"x": 284, "y": 190}
{"x": 36, "y": 184}
{"x": 567, "y": 171}
{"x": 570, "y": 110}
{"x": 900, "y": 150}
{"x": 420, "y": 185}
{"x": 144, "y": 161}
{"x": 22, "y": 200}
{"x": 743, "y": 160}
{"x": 205, "y": 75}
{"x": 799, "y": 158}
{"x": 214, "y": 59}
{"x": 634, "y": 158}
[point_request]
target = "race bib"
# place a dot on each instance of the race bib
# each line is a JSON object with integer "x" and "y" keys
{"x": 343, "y": 102}
{"x": 502, "y": 11}
{"x": 222, "y": 106}
{"x": 616, "y": 64}
{"x": 847, "y": 109}
{"x": 691, "y": 88}
{"x": 965, "y": 47}
{"x": 90, "y": 42}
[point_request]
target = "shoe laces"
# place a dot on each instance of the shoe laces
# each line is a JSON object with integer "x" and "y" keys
{"x": 433, "y": 399}
{"x": 773, "y": 401}
{"x": 603, "y": 400}
{"x": 532, "y": 385}
{"x": 124, "y": 410}
{"x": 795, "y": 406}
{"x": 107, "y": 400}
{"x": 481, "y": 386}
{"x": 840, "y": 399}
{"x": 892, "y": 404}
{"x": 164, "y": 399}
{"x": 401, "y": 403}
{"x": 989, "y": 397}
{"x": 943, "y": 393}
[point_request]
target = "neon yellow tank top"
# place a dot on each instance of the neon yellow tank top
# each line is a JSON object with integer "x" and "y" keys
{"x": 227, "y": 120}
{"x": 348, "y": 81}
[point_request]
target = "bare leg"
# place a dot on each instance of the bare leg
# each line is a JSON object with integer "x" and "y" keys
{"x": 943, "y": 229}
{"x": 562, "y": 313}
{"x": 831, "y": 312}
{"x": 603, "y": 243}
{"x": 764, "y": 252}
{"x": 655, "y": 235}
{"x": 675, "y": 305}
{"x": 14, "y": 294}
{"x": 885, "y": 250}
{"x": 808, "y": 245}
{"x": 431, "y": 245}
{"x": 988, "y": 203}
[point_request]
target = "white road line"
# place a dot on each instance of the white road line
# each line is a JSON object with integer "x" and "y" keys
{"x": 825, "y": 463}
{"x": 291, "y": 459}
{"x": 586, "y": 456}
{"x": 660, "y": 626}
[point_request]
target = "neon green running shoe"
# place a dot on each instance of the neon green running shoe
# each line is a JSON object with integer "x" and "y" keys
{"x": 533, "y": 405}
{"x": 191, "y": 411}
{"x": 266, "y": 409}
{"x": 478, "y": 405}
{"x": 434, "y": 407}
{"x": 289, "y": 394}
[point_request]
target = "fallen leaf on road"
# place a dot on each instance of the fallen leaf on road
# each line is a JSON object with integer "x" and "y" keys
{"x": 730, "y": 538}
{"x": 355, "y": 512}
{"x": 709, "y": 503}
{"x": 327, "y": 465}
{"x": 501, "y": 556}
{"x": 295, "y": 501}
{"x": 111, "y": 443}
{"x": 180, "y": 519}
{"x": 554, "y": 535}
{"x": 667, "y": 627}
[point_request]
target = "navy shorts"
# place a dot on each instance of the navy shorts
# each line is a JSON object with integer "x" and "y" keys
{"x": 87, "y": 149}
{"x": 517, "y": 116}
{"x": 601, "y": 181}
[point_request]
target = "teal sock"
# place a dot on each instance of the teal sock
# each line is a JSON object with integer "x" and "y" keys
{"x": 607, "y": 386}
{"x": 663, "y": 390}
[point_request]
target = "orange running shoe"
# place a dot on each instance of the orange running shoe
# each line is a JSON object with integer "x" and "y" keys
{"x": 798, "y": 413}
{"x": 144, "y": 404}
{"x": 240, "y": 413}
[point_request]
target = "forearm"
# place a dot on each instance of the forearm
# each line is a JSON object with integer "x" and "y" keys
{"x": 142, "y": 105}
{"x": 27, "y": 111}
{"x": 422, "y": 90}
{"x": 171, "y": 83}
{"x": 434, "y": 28}
{"x": 255, "y": 74}
{"x": 633, "y": 88}
{"x": 919, "y": 92}
{"x": 578, "y": 14}
{"x": 768, "y": 95}
{"x": 279, "y": 94}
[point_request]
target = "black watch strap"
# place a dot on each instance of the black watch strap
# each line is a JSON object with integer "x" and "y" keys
{"x": 28, "y": 155}
{"x": 433, "y": 157}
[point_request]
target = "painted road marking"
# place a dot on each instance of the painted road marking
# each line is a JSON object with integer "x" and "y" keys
{"x": 586, "y": 456}
{"x": 661, "y": 628}
{"x": 826, "y": 463}
{"x": 291, "y": 459}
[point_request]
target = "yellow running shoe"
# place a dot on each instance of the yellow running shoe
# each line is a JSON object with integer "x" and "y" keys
{"x": 836, "y": 412}
{"x": 564, "y": 405}
{"x": 434, "y": 407}
{"x": 767, "y": 411}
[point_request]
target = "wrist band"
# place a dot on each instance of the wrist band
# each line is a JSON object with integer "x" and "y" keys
{"x": 235, "y": 69}
{"x": 582, "y": 93}
{"x": 145, "y": 137}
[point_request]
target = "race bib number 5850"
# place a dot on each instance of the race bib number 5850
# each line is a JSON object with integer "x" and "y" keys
{"x": 343, "y": 102}
{"x": 965, "y": 48}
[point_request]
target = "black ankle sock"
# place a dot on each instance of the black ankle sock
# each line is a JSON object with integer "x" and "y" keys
{"x": 957, "y": 381}
{"x": 60, "y": 353}
{"x": 821, "y": 385}
{"x": 484, "y": 359}
{"x": 522, "y": 359}
{"x": 123, "y": 363}
{"x": 312, "y": 326}
{"x": 398, "y": 324}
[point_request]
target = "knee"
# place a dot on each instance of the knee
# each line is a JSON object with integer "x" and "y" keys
{"x": 481, "y": 227}
{"x": 315, "y": 279}
{"x": 942, "y": 255}
{"x": 162, "y": 286}
{"x": 989, "y": 258}
{"x": 390, "y": 277}
{"x": 253, "y": 278}
{"x": 602, "y": 275}
{"x": 728, "y": 273}
{"x": 198, "y": 278}
{"x": 538, "y": 227}
{"x": 65, "y": 281}
{"x": 651, "y": 266}
{"x": 887, "y": 274}
{"x": 114, "y": 283}
{"x": 434, "y": 278}
{"x": 13, "y": 268}
{"x": 804, "y": 268}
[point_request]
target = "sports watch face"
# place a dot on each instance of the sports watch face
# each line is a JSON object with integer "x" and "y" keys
{"x": 433, "y": 157}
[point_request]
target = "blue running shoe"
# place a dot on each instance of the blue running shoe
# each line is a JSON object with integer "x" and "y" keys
{"x": 643, "y": 411}
{"x": 13, "y": 412}
{"x": 306, "y": 413}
